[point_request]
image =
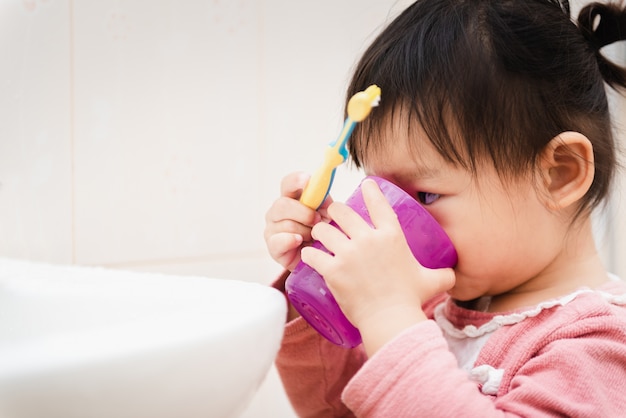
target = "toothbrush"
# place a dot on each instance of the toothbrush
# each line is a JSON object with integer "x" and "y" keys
{"x": 318, "y": 187}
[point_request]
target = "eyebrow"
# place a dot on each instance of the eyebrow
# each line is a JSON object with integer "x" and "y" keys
{"x": 418, "y": 173}
{"x": 425, "y": 173}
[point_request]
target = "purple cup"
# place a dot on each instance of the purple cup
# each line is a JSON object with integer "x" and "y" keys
{"x": 430, "y": 245}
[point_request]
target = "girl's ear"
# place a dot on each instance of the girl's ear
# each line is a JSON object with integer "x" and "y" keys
{"x": 567, "y": 168}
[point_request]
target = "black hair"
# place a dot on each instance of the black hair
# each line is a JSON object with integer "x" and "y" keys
{"x": 508, "y": 75}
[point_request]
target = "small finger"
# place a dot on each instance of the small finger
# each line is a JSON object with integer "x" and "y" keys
{"x": 282, "y": 247}
{"x": 330, "y": 236}
{"x": 286, "y": 208}
{"x": 380, "y": 211}
{"x": 316, "y": 258}
{"x": 348, "y": 220}
{"x": 289, "y": 227}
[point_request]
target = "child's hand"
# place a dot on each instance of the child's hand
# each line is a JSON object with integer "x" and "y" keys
{"x": 288, "y": 222}
{"x": 375, "y": 278}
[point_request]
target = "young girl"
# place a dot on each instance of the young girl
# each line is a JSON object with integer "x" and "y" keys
{"x": 494, "y": 116}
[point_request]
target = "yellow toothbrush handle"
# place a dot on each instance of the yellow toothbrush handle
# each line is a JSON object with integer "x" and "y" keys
{"x": 359, "y": 107}
{"x": 317, "y": 188}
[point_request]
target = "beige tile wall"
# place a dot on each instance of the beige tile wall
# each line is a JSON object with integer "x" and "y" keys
{"x": 152, "y": 134}
{"x": 36, "y": 212}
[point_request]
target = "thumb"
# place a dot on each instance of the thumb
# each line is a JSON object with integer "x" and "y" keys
{"x": 447, "y": 279}
{"x": 439, "y": 281}
{"x": 293, "y": 184}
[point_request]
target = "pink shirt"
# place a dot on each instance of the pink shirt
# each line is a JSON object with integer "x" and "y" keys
{"x": 565, "y": 357}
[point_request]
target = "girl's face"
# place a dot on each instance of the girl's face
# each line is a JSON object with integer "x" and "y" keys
{"x": 505, "y": 236}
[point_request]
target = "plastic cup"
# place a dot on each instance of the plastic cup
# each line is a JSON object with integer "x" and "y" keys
{"x": 430, "y": 245}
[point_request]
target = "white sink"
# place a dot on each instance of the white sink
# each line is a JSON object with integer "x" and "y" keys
{"x": 89, "y": 342}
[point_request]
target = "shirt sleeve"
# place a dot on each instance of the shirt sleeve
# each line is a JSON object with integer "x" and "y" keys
{"x": 414, "y": 375}
{"x": 313, "y": 370}
{"x": 575, "y": 374}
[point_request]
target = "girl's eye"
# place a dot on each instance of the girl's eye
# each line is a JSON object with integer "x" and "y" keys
{"x": 426, "y": 198}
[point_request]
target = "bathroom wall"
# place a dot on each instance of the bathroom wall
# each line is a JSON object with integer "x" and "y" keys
{"x": 152, "y": 134}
